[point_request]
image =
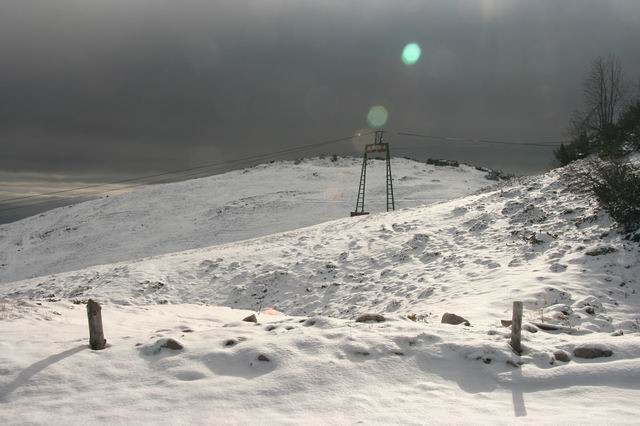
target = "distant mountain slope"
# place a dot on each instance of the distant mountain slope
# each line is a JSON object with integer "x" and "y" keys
{"x": 219, "y": 209}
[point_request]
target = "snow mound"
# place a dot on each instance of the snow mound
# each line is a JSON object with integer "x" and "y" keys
{"x": 229, "y": 207}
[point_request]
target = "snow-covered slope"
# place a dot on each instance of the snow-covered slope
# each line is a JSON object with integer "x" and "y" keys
{"x": 228, "y": 207}
{"x": 539, "y": 239}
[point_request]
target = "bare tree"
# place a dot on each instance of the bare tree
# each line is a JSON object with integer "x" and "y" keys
{"x": 596, "y": 128}
{"x": 604, "y": 94}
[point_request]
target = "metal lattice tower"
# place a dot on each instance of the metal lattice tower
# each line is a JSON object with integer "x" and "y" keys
{"x": 375, "y": 150}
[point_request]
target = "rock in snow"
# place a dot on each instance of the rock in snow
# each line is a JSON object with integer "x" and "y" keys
{"x": 251, "y": 318}
{"x": 172, "y": 344}
{"x": 157, "y": 347}
{"x": 592, "y": 351}
{"x": 552, "y": 327}
{"x": 600, "y": 251}
{"x": 454, "y": 319}
{"x": 370, "y": 318}
{"x": 562, "y": 356}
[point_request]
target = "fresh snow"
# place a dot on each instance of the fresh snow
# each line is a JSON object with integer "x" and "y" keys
{"x": 318, "y": 370}
{"x": 228, "y": 207}
{"x": 540, "y": 239}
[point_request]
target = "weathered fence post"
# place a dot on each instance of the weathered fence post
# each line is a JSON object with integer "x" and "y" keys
{"x": 96, "y": 334}
{"x": 516, "y": 327}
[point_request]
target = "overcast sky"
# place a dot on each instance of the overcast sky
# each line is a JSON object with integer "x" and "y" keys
{"x": 124, "y": 87}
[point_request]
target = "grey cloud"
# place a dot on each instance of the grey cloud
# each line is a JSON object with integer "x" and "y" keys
{"x": 133, "y": 87}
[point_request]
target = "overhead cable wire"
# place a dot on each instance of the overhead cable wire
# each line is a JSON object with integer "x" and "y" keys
{"x": 487, "y": 141}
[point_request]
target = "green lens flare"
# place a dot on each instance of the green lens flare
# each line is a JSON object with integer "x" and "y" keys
{"x": 411, "y": 53}
{"x": 377, "y": 116}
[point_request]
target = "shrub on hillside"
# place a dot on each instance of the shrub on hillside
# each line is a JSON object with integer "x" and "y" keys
{"x": 578, "y": 148}
{"x": 611, "y": 142}
{"x": 629, "y": 124}
{"x": 617, "y": 188}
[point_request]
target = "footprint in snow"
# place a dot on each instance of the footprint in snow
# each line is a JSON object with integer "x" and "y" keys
{"x": 189, "y": 375}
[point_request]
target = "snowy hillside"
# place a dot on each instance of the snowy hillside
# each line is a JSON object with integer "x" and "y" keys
{"x": 228, "y": 207}
{"x": 539, "y": 239}
{"x": 533, "y": 240}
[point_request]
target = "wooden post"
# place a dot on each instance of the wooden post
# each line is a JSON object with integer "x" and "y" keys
{"x": 96, "y": 334}
{"x": 516, "y": 327}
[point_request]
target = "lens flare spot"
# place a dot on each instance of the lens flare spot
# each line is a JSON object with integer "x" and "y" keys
{"x": 411, "y": 53}
{"x": 333, "y": 194}
{"x": 377, "y": 116}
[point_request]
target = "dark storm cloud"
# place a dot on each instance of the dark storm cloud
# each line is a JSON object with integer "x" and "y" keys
{"x": 134, "y": 86}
